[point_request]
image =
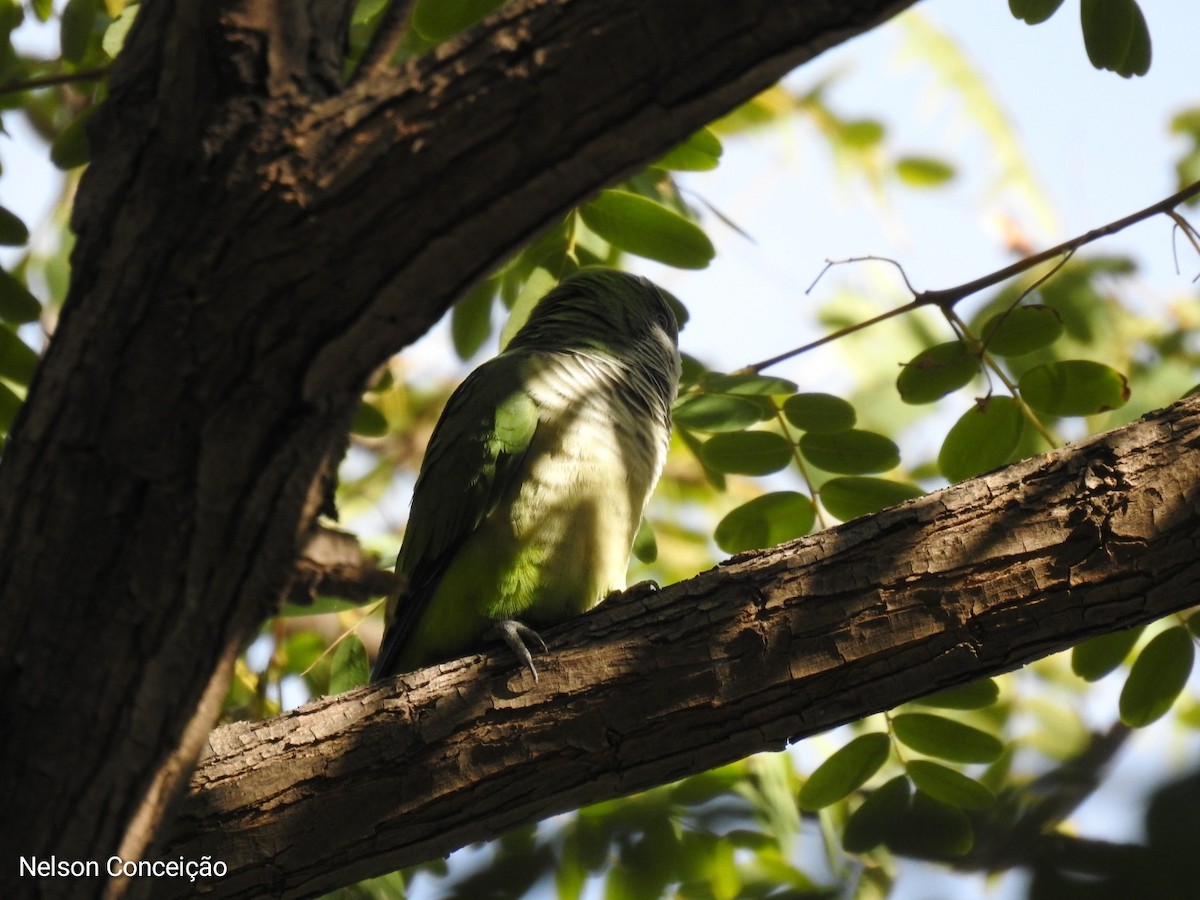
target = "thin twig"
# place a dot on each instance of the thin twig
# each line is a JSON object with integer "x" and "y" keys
{"x": 40, "y": 81}
{"x": 947, "y": 297}
{"x": 385, "y": 41}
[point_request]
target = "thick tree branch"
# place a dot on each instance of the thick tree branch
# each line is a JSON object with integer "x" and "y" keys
{"x": 253, "y": 239}
{"x": 976, "y": 579}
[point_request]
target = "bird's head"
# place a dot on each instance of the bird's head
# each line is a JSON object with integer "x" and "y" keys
{"x": 609, "y": 311}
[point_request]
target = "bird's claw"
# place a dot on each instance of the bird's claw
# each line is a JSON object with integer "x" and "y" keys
{"x": 515, "y": 634}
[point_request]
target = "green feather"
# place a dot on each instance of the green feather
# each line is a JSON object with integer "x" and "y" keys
{"x": 538, "y": 471}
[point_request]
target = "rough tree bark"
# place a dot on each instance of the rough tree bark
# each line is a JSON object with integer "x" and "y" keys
{"x": 254, "y": 238}
{"x": 769, "y": 647}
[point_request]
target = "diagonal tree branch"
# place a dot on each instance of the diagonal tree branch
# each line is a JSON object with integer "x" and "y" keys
{"x": 979, "y": 578}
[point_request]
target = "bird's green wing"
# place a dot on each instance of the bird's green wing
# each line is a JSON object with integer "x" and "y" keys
{"x": 473, "y": 455}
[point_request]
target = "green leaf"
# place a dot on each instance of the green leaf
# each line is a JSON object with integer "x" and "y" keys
{"x": 437, "y": 20}
{"x": 945, "y": 738}
{"x": 716, "y": 412}
{"x": 17, "y": 361}
{"x": 369, "y": 421}
{"x": 845, "y": 771}
{"x": 70, "y": 149}
{"x": 983, "y": 438}
{"x": 949, "y": 785}
{"x": 349, "y": 668}
{"x": 853, "y": 496}
{"x": 765, "y": 521}
{"x": 870, "y": 824}
{"x": 931, "y": 829}
{"x": 1157, "y": 677}
{"x": 1076, "y": 387}
{"x": 471, "y": 320}
{"x": 749, "y": 384}
{"x": 851, "y": 452}
{"x": 17, "y": 305}
{"x": 924, "y": 171}
{"x": 936, "y": 372}
{"x": 1022, "y": 329}
{"x": 1116, "y": 36}
{"x": 974, "y": 695}
{"x": 1034, "y": 12}
{"x": 539, "y": 283}
{"x": 9, "y": 403}
{"x": 699, "y": 153}
{"x": 114, "y": 34}
{"x": 819, "y": 412}
{"x": 1096, "y": 657}
{"x": 13, "y": 232}
{"x": 747, "y": 452}
{"x": 861, "y": 133}
{"x": 78, "y": 20}
{"x": 645, "y": 544}
{"x": 647, "y": 229}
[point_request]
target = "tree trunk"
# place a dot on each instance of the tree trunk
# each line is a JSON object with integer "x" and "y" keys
{"x": 254, "y": 238}
{"x": 976, "y": 579}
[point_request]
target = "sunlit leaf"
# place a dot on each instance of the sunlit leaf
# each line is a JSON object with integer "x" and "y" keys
{"x": 845, "y": 771}
{"x": 862, "y": 133}
{"x": 1022, "y": 329}
{"x": 1096, "y": 657}
{"x": 645, "y": 228}
{"x": 471, "y": 320}
{"x": 1157, "y": 677}
{"x": 853, "y": 496}
{"x": 819, "y": 412}
{"x": 949, "y": 785}
{"x": 945, "y": 738}
{"x": 369, "y": 421}
{"x": 982, "y": 439}
{"x": 699, "y": 153}
{"x": 114, "y": 35}
{"x": 645, "y": 544}
{"x": 747, "y": 452}
{"x": 936, "y": 372}
{"x": 350, "y": 667}
{"x": 765, "y": 521}
{"x": 438, "y": 20}
{"x": 974, "y": 695}
{"x": 850, "y": 452}
{"x": 924, "y": 171}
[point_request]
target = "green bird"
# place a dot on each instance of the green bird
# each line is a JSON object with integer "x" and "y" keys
{"x": 537, "y": 474}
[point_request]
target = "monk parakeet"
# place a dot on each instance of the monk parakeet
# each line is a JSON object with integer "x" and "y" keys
{"x": 537, "y": 474}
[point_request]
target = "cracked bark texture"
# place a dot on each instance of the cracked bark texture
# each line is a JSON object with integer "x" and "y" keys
{"x": 769, "y": 647}
{"x": 253, "y": 239}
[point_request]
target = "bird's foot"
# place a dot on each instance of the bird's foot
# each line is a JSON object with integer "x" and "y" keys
{"x": 515, "y": 634}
